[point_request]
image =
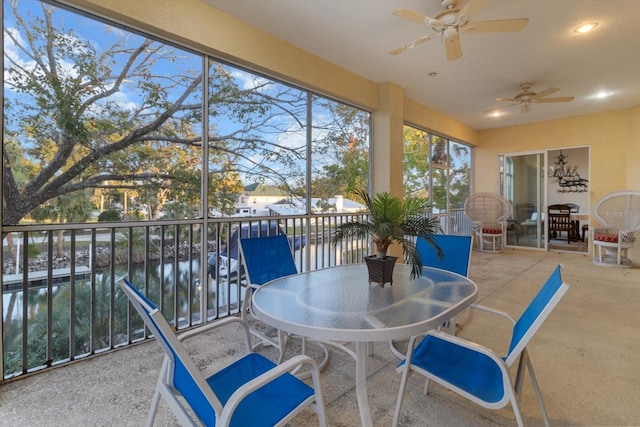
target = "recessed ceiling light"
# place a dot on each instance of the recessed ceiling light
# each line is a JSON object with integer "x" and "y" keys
{"x": 496, "y": 114}
{"x": 585, "y": 28}
{"x": 602, "y": 94}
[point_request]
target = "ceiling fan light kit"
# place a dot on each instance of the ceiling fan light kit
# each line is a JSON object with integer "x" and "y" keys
{"x": 448, "y": 24}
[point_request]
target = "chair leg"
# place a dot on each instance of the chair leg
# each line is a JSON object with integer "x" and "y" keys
{"x": 536, "y": 388}
{"x": 155, "y": 401}
{"x": 620, "y": 255}
{"x": 427, "y": 383}
{"x": 282, "y": 344}
{"x": 516, "y": 411}
{"x": 183, "y": 417}
{"x": 151, "y": 416}
{"x": 452, "y": 326}
{"x": 403, "y": 385}
{"x": 525, "y": 363}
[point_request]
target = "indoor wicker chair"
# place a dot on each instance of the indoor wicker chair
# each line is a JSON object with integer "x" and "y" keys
{"x": 488, "y": 212}
{"x": 619, "y": 216}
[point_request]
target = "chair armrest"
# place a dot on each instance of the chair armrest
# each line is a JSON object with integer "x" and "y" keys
{"x": 493, "y": 311}
{"x": 626, "y": 236}
{"x": 479, "y": 348}
{"x": 286, "y": 367}
{"x": 475, "y": 307}
{"x": 215, "y": 325}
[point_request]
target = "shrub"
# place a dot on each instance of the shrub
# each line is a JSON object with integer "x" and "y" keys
{"x": 109, "y": 215}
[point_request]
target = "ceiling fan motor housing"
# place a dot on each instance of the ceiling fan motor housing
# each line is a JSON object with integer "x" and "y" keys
{"x": 449, "y": 4}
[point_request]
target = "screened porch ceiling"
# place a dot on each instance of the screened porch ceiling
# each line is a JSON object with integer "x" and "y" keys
{"x": 359, "y": 34}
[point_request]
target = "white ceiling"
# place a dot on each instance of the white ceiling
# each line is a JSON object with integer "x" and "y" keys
{"x": 358, "y": 34}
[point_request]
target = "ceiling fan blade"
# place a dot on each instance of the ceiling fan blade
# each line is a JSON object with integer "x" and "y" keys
{"x": 501, "y": 25}
{"x": 473, "y": 6}
{"x": 411, "y": 15}
{"x": 501, "y": 108}
{"x": 558, "y": 99}
{"x": 411, "y": 45}
{"x": 452, "y": 45}
{"x": 544, "y": 93}
{"x": 506, "y": 99}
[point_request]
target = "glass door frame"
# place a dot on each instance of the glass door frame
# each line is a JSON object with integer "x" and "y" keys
{"x": 519, "y": 228}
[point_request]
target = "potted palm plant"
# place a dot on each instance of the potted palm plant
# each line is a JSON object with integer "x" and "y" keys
{"x": 391, "y": 220}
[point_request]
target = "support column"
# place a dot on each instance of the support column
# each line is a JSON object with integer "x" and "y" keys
{"x": 387, "y": 147}
{"x": 387, "y": 150}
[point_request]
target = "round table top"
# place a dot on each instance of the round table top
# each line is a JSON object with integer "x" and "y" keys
{"x": 339, "y": 304}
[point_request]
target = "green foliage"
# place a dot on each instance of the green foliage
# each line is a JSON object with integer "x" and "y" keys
{"x": 33, "y": 250}
{"x": 85, "y": 339}
{"x": 119, "y": 117}
{"x": 393, "y": 220}
{"x": 109, "y": 215}
{"x": 436, "y": 168}
{"x": 416, "y": 162}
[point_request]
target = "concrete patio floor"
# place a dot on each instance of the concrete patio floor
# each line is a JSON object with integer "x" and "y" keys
{"x": 586, "y": 359}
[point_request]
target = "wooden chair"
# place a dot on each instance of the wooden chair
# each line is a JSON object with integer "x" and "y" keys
{"x": 488, "y": 212}
{"x": 559, "y": 220}
{"x": 619, "y": 216}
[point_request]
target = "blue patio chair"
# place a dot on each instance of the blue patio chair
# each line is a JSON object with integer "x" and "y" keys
{"x": 252, "y": 391}
{"x": 456, "y": 253}
{"x": 475, "y": 371}
{"x": 267, "y": 258}
{"x": 228, "y": 256}
{"x": 456, "y": 257}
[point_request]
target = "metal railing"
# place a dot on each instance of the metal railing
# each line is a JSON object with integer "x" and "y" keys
{"x": 61, "y": 301}
{"x": 60, "y": 297}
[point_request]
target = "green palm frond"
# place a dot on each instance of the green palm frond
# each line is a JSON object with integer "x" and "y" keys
{"x": 393, "y": 220}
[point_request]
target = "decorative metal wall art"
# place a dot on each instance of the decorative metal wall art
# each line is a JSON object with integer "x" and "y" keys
{"x": 568, "y": 177}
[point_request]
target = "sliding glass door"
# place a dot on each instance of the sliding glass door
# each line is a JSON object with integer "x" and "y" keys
{"x": 522, "y": 182}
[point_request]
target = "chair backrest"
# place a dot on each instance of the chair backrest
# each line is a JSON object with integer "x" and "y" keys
{"x": 524, "y": 211}
{"x": 575, "y": 208}
{"x": 559, "y": 217}
{"x": 534, "y": 216}
{"x": 183, "y": 372}
{"x": 456, "y": 252}
{"x": 619, "y": 210}
{"x": 255, "y": 229}
{"x": 487, "y": 208}
{"x": 267, "y": 258}
{"x": 535, "y": 314}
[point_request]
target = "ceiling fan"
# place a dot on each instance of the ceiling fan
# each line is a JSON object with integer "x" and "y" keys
{"x": 448, "y": 24}
{"x": 527, "y": 97}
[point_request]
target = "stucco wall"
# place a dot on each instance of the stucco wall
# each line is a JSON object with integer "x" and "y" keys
{"x": 612, "y": 138}
{"x": 609, "y": 136}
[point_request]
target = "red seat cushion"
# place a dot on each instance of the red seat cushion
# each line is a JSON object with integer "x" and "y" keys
{"x": 491, "y": 230}
{"x": 604, "y": 237}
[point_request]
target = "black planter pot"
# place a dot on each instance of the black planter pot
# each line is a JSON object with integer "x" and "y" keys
{"x": 380, "y": 269}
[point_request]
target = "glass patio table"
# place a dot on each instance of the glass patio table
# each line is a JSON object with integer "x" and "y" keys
{"x": 338, "y": 304}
